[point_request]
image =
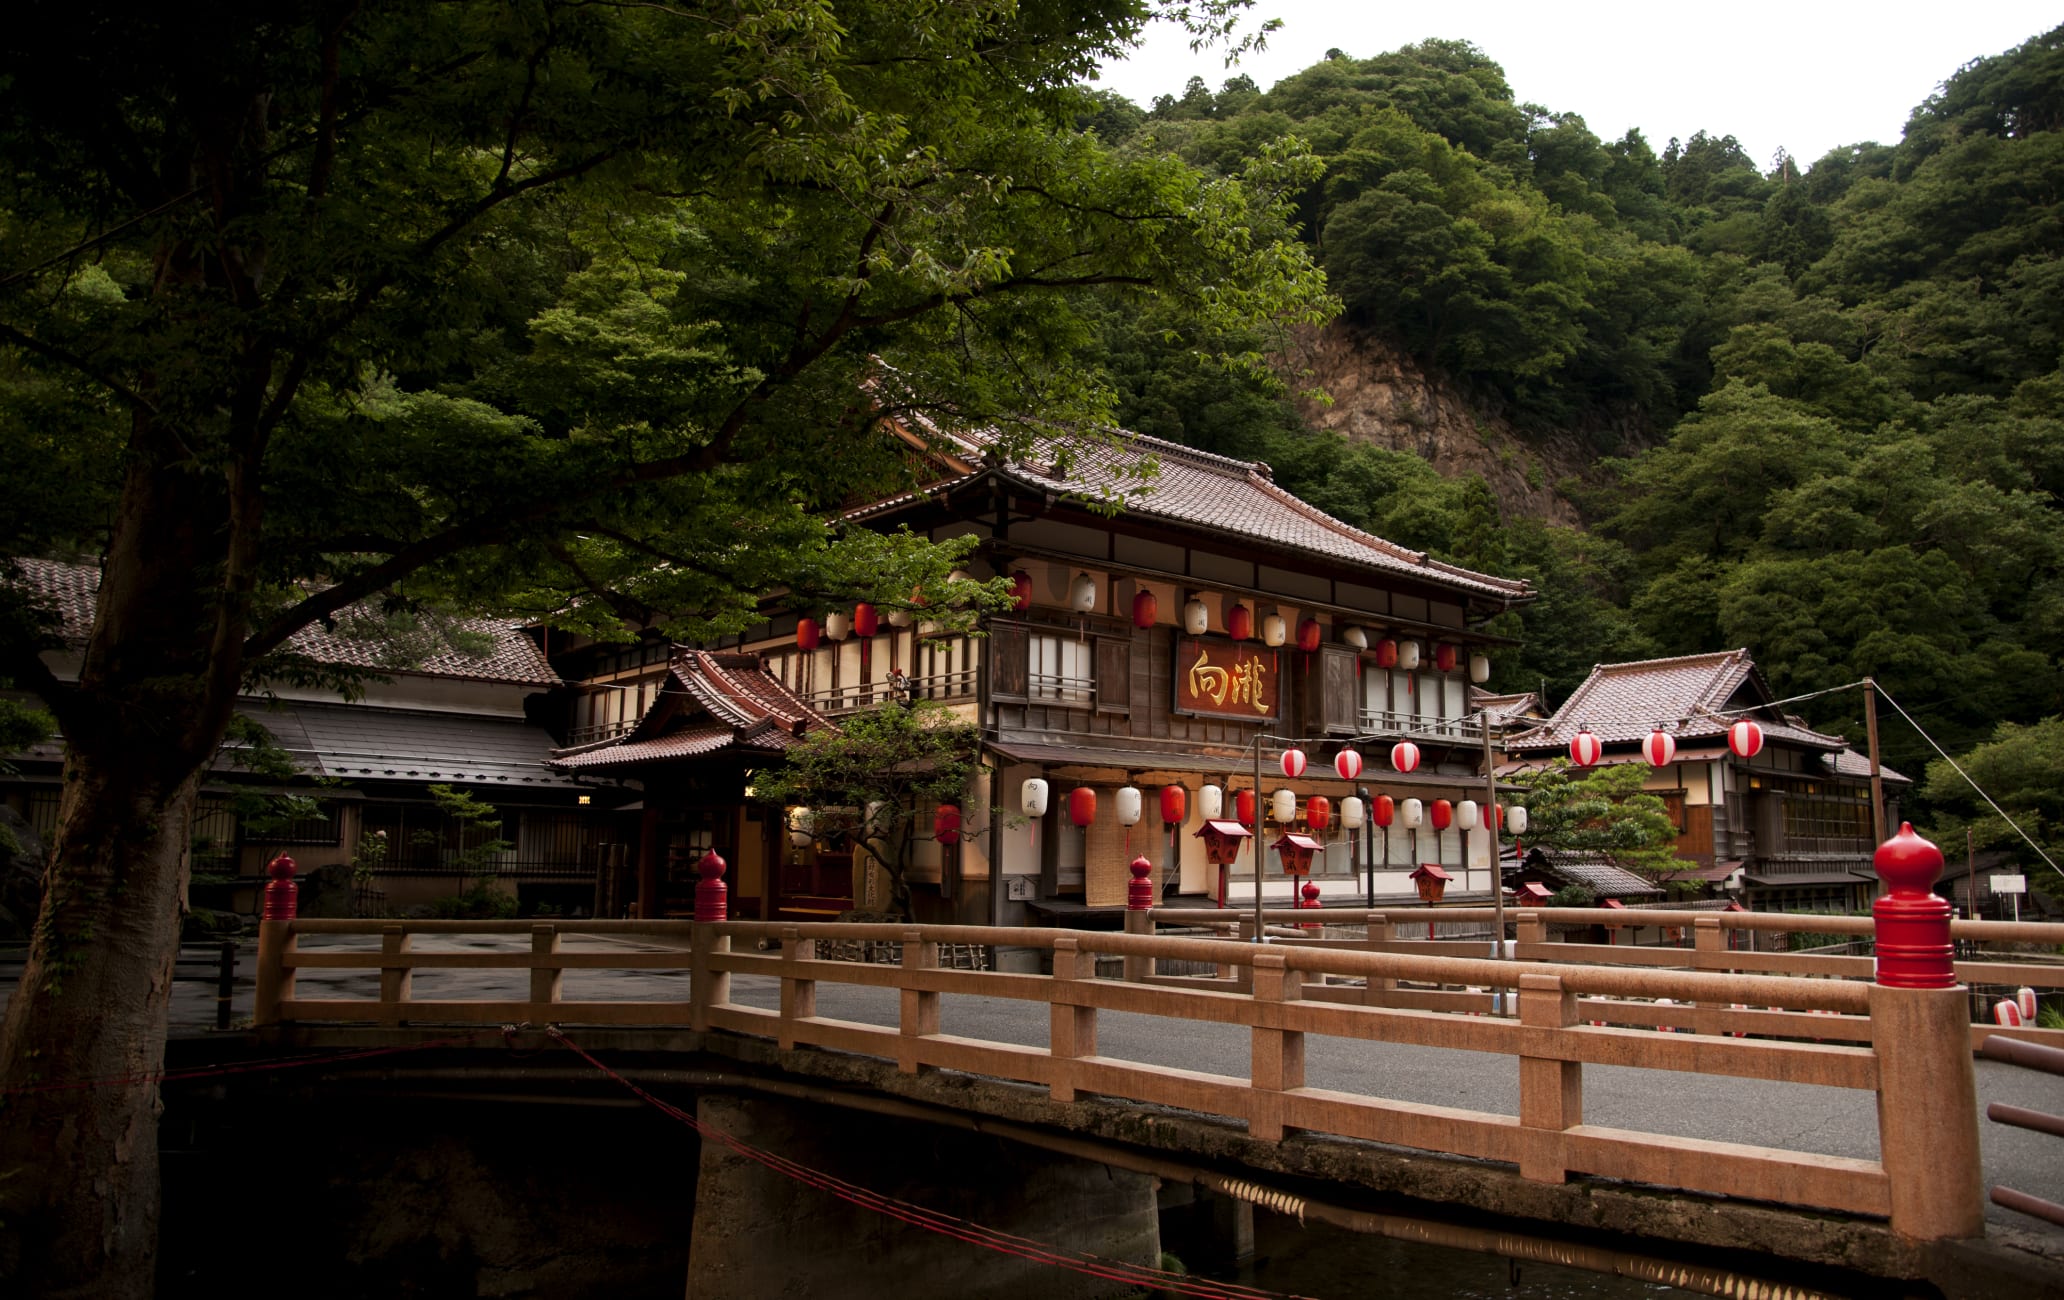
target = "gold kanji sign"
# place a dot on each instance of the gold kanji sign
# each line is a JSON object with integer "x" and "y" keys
{"x": 1225, "y": 679}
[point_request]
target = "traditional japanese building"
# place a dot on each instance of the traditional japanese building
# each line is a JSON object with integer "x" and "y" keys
{"x": 1787, "y": 829}
{"x": 1151, "y": 646}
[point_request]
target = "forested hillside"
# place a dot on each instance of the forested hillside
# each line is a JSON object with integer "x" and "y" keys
{"x": 1823, "y": 404}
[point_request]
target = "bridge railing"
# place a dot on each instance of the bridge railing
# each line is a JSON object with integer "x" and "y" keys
{"x": 1282, "y": 994}
{"x": 1711, "y": 941}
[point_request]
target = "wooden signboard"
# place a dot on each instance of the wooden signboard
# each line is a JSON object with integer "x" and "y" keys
{"x": 1227, "y": 679}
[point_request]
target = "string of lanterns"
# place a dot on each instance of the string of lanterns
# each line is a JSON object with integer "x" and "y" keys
{"x": 1659, "y": 747}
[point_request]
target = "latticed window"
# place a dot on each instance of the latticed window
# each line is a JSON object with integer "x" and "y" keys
{"x": 1061, "y": 668}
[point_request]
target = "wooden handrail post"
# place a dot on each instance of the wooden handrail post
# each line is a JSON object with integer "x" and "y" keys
{"x": 1139, "y": 968}
{"x": 275, "y": 979}
{"x": 920, "y": 1009}
{"x": 1709, "y": 949}
{"x": 1277, "y": 1054}
{"x": 1071, "y": 1028}
{"x": 1532, "y": 928}
{"x": 1375, "y": 991}
{"x": 798, "y": 996}
{"x": 708, "y": 988}
{"x": 397, "y": 982}
{"x": 545, "y": 981}
{"x": 1928, "y": 1111}
{"x": 1551, "y": 1091}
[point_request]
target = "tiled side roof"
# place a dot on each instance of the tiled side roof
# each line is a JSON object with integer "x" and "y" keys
{"x": 1847, "y": 762}
{"x": 691, "y": 743}
{"x": 1624, "y": 702}
{"x": 1601, "y": 878}
{"x": 1195, "y": 488}
{"x": 736, "y": 703}
{"x": 510, "y": 656}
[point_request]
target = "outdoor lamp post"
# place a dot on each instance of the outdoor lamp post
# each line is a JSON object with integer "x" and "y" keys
{"x": 1432, "y": 882}
{"x": 1221, "y": 847}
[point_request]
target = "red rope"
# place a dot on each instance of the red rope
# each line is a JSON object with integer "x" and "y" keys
{"x": 244, "y": 1067}
{"x": 945, "y": 1225}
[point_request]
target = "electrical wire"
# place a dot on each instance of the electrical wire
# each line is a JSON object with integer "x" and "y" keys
{"x": 1968, "y": 781}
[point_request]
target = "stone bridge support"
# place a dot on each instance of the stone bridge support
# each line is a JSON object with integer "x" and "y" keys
{"x": 762, "y": 1233}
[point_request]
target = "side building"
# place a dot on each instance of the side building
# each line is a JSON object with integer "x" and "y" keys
{"x": 1786, "y": 830}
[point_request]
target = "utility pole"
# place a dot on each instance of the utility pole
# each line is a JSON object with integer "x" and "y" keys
{"x": 1490, "y": 776}
{"x": 1260, "y": 915}
{"x": 1877, "y": 776}
{"x": 1970, "y": 876}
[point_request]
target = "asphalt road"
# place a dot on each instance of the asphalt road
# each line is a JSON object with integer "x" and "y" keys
{"x": 1801, "y": 1117}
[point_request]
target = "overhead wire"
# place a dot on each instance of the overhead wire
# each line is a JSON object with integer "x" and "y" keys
{"x": 2047, "y": 860}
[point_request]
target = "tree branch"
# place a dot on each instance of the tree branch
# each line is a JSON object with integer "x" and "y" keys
{"x": 66, "y": 357}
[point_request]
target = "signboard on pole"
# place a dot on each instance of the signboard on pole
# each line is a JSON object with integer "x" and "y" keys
{"x": 2010, "y": 884}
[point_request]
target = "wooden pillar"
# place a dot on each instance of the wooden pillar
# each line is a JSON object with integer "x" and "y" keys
{"x": 920, "y": 1009}
{"x": 1071, "y": 1027}
{"x": 1709, "y": 952}
{"x": 1277, "y": 1054}
{"x": 275, "y": 979}
{"x": 708, "y": 987}
{"x": 1551, "y": 1091}
{"x": 1376, "y": 992}
{"x": 397, "y": 982}
{"x": 545, "y": 980}
{"x": 1139, "y": 921}
{"x": 1928, "y": 1111}
{"x": 798, "y": 995}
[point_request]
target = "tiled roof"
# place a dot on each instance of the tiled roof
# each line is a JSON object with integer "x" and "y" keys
{"x": 1847, "y": 762}
{"x": 1624, "y": 702}
{"x": 1195, "y": 488}
{"x": 357, "y": 640}
{"x": 1600, "y": 877}
{"x": 358, "y": 742}
{"x": 734, "y": 702}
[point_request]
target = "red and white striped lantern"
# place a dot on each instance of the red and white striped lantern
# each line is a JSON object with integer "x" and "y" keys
{"x": 1658, "y": 748}
{"x": 1293, "y": 763}
{"x": 2024, "y": 997}
{"x": 1584, "y": 748}
{"x": 1348, "y": 763}
{"x": 1404, "y": 756}
{"x": 2006, "y": 1013}
{"x": 1745, "y": 738}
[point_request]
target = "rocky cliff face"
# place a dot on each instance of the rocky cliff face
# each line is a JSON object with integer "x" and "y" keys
{"x": 1384, "y": 397}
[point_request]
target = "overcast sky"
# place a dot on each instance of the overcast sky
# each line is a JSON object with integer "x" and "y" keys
{"x": 1805, "y": 76}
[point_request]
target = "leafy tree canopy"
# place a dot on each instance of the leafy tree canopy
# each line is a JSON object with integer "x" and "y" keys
{"x": 1600, "y": 812}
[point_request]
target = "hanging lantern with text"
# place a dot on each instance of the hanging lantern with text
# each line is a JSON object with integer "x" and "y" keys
{"x": 1442, "y": 814}
{"x": 1283, "y": 806}
{"x": 1175, "y": 805}
{"x": 1466, "y": 815}
{"x": 1479, "y": 668}
{"x": 1348, "y": 764}
{"x": 1383, "y": 810}
{"x": 1274, "y": 631}
{"x": 1196, "y": 617}
{"x": 1658, "y": 748}
{"x": 1293, "y": 763}
{"x": 1386, "y": 653}
{"x": 1128, "y": 803}
{"x": 1239, "y": 623}
{"x": 1404, "y": 756}
{"x": 1516, "y": 819}
{"x": 837, "y": 625}
{"x": 1354, "y": 637}
{"x": 1411, "y": 814}
{"x": 1408, "y": 655}
{"x": 1318, "y": 813}
{"x": 1146, "y": 608}
{"x": 1032, "y": 798}
{"x": 1745, "y": 738}
{"x": 1082, "y": 594}
{"x": 1211, "y": 802}
{"x": 1584, "y": 748}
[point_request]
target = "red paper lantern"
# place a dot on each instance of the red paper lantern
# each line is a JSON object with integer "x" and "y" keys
{"x": 1386, "y": 652}
{"x": 946, "y": 824}
{"x": 1293, "y": 763}
{"x": 1444, "y": 657}
{"x": 1384, "y": 811}
{"x": 1348, "y": 763}
{"x": 1404, "y": 756}
{"x": 1584, "y": 748}
{"x": 1497, "y": 817}
{"x": 865, "y": 620}
{"x": 1308, "y": 635}
{"x": 1745, "y": 738}
{"x": 1318, "y": 812}
{"x": 1021, "y": 590}
{"x": 1146, "y": 608}
{"x": 1239, "y": 623}
{"x": 1658, "y": 748}
{"x": 806, "y": 634}
{"x": 1082, "y": 805}
{"x": 1243, "y": 808}
{"x": 1442, "y": 814}
{"x": 1175, "y": 805}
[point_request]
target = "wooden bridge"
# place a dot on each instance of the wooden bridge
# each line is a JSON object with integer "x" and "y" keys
{"x": 1554, "y": 1007}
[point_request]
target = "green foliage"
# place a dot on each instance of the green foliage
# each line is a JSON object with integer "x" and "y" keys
{"x": 1601, "y": 812}
{"x": 2022, "y": 768}
{"x": 1573, "y": 896}
{"x": 879, "y": 776}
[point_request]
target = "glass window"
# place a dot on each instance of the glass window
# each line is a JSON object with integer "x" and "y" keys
{"x": 1060, "y": 668}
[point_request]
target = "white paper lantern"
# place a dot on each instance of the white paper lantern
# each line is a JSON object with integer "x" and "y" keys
{"x": 1196, "y": 618}
{"x": 1082, "y": 595}
{"x": 1466, "y": 815}
{"x": 1128, "y": 805}
{"x": 1515, "y": 819}
{"x": 1211, "y": 802}
{"x": 1283, "y": 805}
{"x": 1032, "y": 798}
{"x": 1274, "y": 631}
{"x": 1411, "y": 814}
{"x": 1352, "y": 813}
{"x": 1408, "y": 655}
{"x": 801, "y": 839}
{"x": 838, "y": 625}
{"x": 1355, "y": 637}
{"x": 899, "y": 618}
{"x": 1479, "y": 668}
